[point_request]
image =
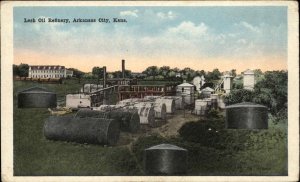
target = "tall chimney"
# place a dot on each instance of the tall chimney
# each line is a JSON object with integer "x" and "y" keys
{"x": 104, "y": 76}
{"x": 123, "y": 68}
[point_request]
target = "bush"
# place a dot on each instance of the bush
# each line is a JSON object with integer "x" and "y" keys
{"x": 239, "y": 95}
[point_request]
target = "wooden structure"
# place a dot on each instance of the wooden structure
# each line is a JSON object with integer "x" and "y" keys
{"x": 102, "y": 96}
{"x": 140, "y": 91}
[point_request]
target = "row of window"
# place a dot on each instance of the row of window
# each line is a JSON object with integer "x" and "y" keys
{"x": 47, "y": 76}
{"x": 47, "y": 71}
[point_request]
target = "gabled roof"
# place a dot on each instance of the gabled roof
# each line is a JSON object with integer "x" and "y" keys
{"x": 248, "y": 72}
{"x": 185, "y": 85}
{"x": 47, "y": 67}
{"x": 208, "y": 89}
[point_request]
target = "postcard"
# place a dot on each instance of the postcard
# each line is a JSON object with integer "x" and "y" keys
{"x": 150, "y": 91}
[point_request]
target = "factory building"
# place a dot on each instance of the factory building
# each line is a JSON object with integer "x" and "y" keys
{"x": 43, "y": 71}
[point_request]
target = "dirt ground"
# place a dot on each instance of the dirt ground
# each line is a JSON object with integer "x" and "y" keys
{"x": 168, "y": 128}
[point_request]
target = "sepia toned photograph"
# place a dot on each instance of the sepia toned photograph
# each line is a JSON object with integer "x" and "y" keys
{"x": 131, "y": 92}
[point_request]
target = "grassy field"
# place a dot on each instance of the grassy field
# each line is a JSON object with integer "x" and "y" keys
{"x": 261, "y": 153}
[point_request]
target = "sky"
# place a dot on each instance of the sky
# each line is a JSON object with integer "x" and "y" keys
{"x": 202, "y": 38}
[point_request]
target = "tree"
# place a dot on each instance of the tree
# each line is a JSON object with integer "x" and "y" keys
{"x": 77, "y": 73}
{"x": 23, "y": 70}
{"x": 97, "y": 71}
{"x": 15, "y": 70}
{"x": 188, "y": 72}
{"x": 271, "y": 91}
{"x": 214, "y": 75}
{"x": 118, "y": 74}
{"x": 239, "y": 95}
{"x": 233, "y": 72}
{"x": 151, "y": 71}
{"x": 164, "y": 71}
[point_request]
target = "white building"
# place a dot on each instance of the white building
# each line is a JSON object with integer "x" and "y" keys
{"x": 78, "y": 100}
{"x": 187, "y": 91}
{"x": 249, "y": 79}
{"x": 198, "y": 82}
{"x": 43, "y": 71}
{"x": 227, "y": 83}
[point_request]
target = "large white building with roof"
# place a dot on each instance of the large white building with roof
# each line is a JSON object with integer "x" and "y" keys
{"x": 47, "y": 71}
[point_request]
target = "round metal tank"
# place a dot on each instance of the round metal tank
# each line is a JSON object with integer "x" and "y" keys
{"x": 82, "y": 130}
{"x": 200, "y": 107}
{"x": 36, "y": 97}
{"x": 165, "y": 159}
{"x": 246, "y": 115}
{"x": 144, "y": 109}
{"x": 160, "y": 109}
{"x": 129, "y": 121}
{"x": 146, "y": 113}
{"x": 170, "y": 104}
{"x": 107, "y": 107}
{"x": 178, "y": 101}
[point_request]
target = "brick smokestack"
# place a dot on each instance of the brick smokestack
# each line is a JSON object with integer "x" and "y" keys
{"x": 104, "y": 76}
{"x": 123, "y": 68}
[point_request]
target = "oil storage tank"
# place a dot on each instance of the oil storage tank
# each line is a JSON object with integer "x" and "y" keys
{"x": 145, "y": 110}
{"x": 200, "y": 107}
{"x": 165, "y": 159}
{"x": 170, "y": 104}
{"x": 178, "y": 101}
{"x": 37, "y": 97}
{"x": 129, "y": 121}
{"x": 246, "y": 115}
{"x": 82, "y": 130}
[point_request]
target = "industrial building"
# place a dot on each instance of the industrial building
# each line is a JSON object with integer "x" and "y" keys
{"x": 48, "y": 71}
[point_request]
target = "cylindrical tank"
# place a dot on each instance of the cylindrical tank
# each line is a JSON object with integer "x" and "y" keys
{"x": 165, "y": 159}
{"x": 178, "y": 101}
{"x": 145, "y": 111}
{"x": 107, "y": 107}
{"x": 82, "y": 130}
{"x": 131, "y": 101}
{"x": 170, "y": 104}
{"x": 200, "y": 107}
{"x": 246, "y": 115}
{"x": 160, "y": 109}
{"x": 152, "y": 97}
{"x": 129, "y": 121}
{"x": 36, "y": 98}
{"x": 214, "y": 101}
